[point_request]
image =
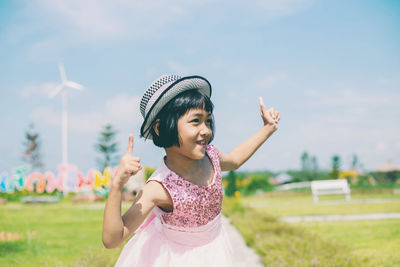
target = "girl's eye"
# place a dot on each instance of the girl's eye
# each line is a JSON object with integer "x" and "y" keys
{"x": 195, "y": 120}
{"x": 209, "y": 121}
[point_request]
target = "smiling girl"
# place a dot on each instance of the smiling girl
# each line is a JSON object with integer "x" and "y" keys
{"x": 184, "y": 195}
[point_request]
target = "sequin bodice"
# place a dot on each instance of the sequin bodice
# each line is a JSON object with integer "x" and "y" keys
{"x": 193, "y": 205}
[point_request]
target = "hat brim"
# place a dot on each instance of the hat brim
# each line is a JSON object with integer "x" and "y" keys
{"x": 184, "y": 84}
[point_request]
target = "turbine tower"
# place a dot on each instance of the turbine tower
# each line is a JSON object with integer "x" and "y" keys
{"x": 62, "y": 88}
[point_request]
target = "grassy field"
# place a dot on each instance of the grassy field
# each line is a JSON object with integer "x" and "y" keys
{"x": 351, "y": 243}
{"x": 64, "y": 234}
{"x": 69, "y": 234}
{"x": 376, "y": 240}
{"x": 280, "y": 204}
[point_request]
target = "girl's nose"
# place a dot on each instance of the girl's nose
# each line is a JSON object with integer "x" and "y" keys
{"x": 205, "y": 130}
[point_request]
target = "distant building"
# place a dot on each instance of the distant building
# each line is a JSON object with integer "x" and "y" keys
{"x": 280, "y": 179}
{"x": 387, "y": 166}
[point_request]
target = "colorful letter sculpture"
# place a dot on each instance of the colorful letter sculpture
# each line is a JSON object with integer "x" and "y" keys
{"x": 69, "y": 179}
{"x": 43, "y": 183}
{"x": 3, "y": 186}
{"x": 102, "y": 181}
{"x": 16, "y": 182}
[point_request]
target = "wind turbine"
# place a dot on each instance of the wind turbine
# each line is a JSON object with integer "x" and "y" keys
{"x": 62, "y": 88}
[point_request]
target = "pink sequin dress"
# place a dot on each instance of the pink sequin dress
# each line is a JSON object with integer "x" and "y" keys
{"x": 192, "y": 234}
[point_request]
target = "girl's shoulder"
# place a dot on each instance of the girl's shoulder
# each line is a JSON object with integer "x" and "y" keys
{"x": 160, "y": 173}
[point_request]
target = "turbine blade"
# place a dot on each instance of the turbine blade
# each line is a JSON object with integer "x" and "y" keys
{"x": 56, "y": 91}
{"x": 74, "y": 85}
{"x": 62, "y": 73}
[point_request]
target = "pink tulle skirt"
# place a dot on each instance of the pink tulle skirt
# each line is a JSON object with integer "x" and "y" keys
{"x": 157, "y": 244}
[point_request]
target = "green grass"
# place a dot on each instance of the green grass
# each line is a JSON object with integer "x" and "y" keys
{"x": 283, "y": 244}
{"x": 350, "y": 243}
{"x": 377, "y": 238}
{"x": 64, "y": 234}
{"x": 69, "y": 234}
{"x": 301, "y": 204}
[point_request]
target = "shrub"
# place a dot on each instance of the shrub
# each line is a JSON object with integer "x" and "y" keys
{"x": 148, "y": 172}
{"x": 257, "y": 182}
{"x": 231, "y": 187}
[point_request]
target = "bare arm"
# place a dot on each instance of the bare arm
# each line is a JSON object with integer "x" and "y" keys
{"x": 241, "y": 153}
{"x": 117, "y": 228}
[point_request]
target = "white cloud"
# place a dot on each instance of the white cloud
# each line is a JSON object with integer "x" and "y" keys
{"x": 352, "y": 98}
{"x": 312, "y": 93}
{"x": 380, "y": 146}
{"x": 94, "y": 20}
{"x": 122, "y": 111}
{"x": 51, "y": 26}
{"x": 397, "y": 145}
{"x": 273, "y": 79}
{"x": 38, "y": 89}
{"x": 177, "y": 68}
{"x": 359, "y": 111}
{"x": 275, "y": 8}
{"x": 389, "y": 80}
{"x": 325, "y": 132}
{"x": 47, "y": 115}
{"x": 232, "y": 95}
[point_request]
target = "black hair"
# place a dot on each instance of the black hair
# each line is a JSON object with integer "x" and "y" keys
{"x": 177, "y": 107}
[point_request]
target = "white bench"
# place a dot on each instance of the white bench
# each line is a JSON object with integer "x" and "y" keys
{"x": 330, "y": 187}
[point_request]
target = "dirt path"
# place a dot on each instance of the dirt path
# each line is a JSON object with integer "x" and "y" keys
{"x": 347, "y": 217}
{"x": 245, "y": 256}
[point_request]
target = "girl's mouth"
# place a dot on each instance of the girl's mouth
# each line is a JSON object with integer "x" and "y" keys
{"x": 202, "y": 143}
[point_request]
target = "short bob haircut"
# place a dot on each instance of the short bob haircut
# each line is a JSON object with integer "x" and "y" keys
{"x": 177, "y": 107}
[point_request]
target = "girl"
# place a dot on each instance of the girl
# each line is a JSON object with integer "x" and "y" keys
{"x": 184, "y": 195}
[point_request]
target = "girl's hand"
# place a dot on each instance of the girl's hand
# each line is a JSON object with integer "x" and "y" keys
{"x": 270, "y": 117}
{"x": 128, "y": 166}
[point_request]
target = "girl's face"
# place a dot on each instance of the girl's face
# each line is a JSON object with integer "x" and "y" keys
{"x": 194, "y": 131}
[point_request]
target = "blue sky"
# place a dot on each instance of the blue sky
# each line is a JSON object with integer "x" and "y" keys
{"x": 331, "y": 68}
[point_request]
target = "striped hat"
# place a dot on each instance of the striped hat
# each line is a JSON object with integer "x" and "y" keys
{"x": 162, "y": 90}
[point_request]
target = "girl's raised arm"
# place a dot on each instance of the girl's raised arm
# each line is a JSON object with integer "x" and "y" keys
{"x": 117, "y": 228}
{"x": 241, "y": 153}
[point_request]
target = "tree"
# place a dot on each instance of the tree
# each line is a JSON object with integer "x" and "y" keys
{"x": 231, "y": 187}
{"x": 314, "y": 166}
{"x": 108, "y": 147}
{"x": 258, "y": 181}
{"x": 32, "y": 144}
{"x": 309, "y": 167}
{"x": 354, "y": 162}
{"x": 335, "y": 171}
{"x": 305, "y": 161}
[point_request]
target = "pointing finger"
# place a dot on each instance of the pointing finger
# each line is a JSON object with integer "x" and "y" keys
{"x": 130, "y": 145}
{"x": 262, "y": 107}
{"x": 261, "y": 101}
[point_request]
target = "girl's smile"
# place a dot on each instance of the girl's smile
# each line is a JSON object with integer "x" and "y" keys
{"x": 194, "y": 130}
{"x": 188, "y": 160}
